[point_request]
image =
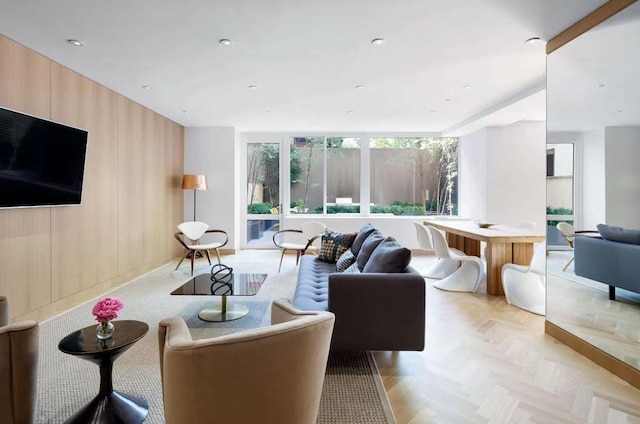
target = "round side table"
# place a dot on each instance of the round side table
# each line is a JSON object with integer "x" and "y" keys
{"x": 108, "y": 406}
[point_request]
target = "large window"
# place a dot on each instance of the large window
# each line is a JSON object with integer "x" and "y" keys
{"x": 414, "y": 175}
{"x": 343, "y": 175}
{"x": 306, "y": 174}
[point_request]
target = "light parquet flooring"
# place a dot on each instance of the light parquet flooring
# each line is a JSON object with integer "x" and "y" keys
{"x": 488, "y": 362}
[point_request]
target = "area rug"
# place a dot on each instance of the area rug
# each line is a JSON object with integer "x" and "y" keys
{"x": 353, "y": 391}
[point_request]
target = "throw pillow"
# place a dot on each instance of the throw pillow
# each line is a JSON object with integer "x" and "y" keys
{"x": 334, "y": 244}
{"x": 388, "y": 257}
{"x": 364, "y": 232}
{"x": 345, "y": 261}
{"x": 369, "y": 245}
{"x": 619, "y": 234}
{"x": 353, "y": 269}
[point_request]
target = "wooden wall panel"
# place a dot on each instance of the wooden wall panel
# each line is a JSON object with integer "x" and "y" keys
{"x": 54, "y": 258}
{"x": 84, "y": 240}
{"x": 25, "y": 239}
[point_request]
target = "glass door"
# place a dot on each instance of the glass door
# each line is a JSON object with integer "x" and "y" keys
{"x": 560, "y": 192}
{"x": 264, "y": 205}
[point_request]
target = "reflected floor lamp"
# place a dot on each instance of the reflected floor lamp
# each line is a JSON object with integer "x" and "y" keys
{"x": 194, "y": 182}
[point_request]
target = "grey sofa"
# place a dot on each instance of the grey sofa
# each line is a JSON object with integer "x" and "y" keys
{"x": 611, "y": 262}
{"x": 374, "y": 310}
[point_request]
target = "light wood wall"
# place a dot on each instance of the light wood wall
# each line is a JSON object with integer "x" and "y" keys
{"x": 55, "y": 258}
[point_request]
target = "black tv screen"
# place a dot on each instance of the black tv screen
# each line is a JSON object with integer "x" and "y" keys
{"x": 41, "y": 162}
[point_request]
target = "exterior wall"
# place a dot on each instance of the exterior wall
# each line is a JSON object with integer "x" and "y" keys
{"x": 55, "y": 258}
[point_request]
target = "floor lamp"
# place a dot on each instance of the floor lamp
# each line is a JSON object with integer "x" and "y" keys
{"x": 194, "y": 182}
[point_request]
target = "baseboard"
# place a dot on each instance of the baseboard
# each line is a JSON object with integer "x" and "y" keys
{"x": 227, "y": 251}
{"x": 615, "y": 366}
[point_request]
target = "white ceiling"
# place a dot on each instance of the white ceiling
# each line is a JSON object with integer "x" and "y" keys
{"x": 305, "y": 56}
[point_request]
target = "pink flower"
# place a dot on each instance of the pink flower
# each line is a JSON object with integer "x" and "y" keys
{"x": 107, "y": 309}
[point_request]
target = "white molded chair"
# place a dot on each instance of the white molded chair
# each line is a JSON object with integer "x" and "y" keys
{"x": 464, "y": 279}
{"x": 194, "y": 231}
{"x": 300, "y": 241}
{"x": 265, "y": 375}
{"x": 524, "y": 286}
{"x": 442, "y": 267}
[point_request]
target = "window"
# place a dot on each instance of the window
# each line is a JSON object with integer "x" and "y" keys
{"x": 414, "y": 175}
{"x": 263, "y": 178}
{"x": 306, "y": 174}
{"x": 343, "y": 175}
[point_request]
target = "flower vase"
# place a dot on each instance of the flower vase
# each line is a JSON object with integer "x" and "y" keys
{"x": 104, "y": 330}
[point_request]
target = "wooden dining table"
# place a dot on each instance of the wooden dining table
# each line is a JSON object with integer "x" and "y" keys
{"x": 505, "y": 244}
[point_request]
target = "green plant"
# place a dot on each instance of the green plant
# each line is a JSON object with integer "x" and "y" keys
{"x": 260, "y": 208}
{"x": 558, "y": 211}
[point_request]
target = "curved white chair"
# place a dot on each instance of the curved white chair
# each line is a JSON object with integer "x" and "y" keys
{"x": 524, "y": 286}
{"x": 464, "y": 279}
{"x": 194, "y": 231}
{"x": 308, "y": 233}
{"x": 442, "y": 267}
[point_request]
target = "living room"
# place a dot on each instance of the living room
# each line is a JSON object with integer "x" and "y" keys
{"x": 149, "y": 125}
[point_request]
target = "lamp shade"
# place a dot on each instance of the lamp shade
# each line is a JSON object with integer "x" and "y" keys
{"x": 194, "y": 182}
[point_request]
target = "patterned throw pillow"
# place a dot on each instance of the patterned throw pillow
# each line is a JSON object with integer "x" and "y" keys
{"x": 353, "y": 269}
{"x": 345, "y": 261}
{"x": 334, "y": 244}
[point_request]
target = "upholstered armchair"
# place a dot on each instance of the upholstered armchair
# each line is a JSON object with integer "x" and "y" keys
{"x": 18, "y": 368}
{"x": 268, "y": 375}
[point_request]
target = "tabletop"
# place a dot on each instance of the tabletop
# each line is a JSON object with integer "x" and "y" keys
{"x": 238, "y": 285}
{"x": 498, "y": 233}
{"x": 85, "y": 341}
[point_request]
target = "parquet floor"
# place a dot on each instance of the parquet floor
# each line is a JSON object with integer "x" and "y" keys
{"x": 488, "y": 362}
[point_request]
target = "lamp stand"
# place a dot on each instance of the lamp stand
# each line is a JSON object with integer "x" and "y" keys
{"x": 194, "y": 205}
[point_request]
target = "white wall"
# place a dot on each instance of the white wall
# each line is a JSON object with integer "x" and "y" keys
{"x": 212, "y": 151}
{"x": 622, "y": 180}
{"x": 593, "y": 180}
{"x": 502, "y": 174}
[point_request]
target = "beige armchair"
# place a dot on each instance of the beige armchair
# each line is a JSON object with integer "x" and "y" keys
{"x": 268, "y": 375}
{"x": 18, "y": 368}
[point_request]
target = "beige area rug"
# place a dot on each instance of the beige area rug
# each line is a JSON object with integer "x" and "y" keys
{"x": 352, "y": 394}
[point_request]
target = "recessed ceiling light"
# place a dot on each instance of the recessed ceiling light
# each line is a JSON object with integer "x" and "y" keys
{"x": 185, "y": 111}
{"x": 378, "y": 41}
{"x": 359, "y": 87}
{"x": 432, "y": 111}
{"x": 146, "y": 87}
{"x": 448, "y": 100}
{"x": 532, "y": 40}
{"x": 225, "y": 42}
{"x": 76, "y": 43}
{"x": 253, "y": 87}
{"x": 598, "y": 87}
{"x": 619, "y": 110}
{"x": 267, "y": 111}
{"x": 349, "y": 111}
{"x": 466, "y": 87}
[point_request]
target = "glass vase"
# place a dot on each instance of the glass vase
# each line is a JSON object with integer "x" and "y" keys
{"x": 104, "y": 330}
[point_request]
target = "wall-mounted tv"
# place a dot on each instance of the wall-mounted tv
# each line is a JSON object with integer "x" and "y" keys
{"x": 41, "y": 162}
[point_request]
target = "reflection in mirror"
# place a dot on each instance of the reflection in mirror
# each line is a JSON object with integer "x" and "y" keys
{"x": 593, "y": 104}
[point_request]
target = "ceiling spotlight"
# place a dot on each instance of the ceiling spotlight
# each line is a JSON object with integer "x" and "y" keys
{"x": 532, "y": 40}
{"x": 253, "y": 87}
{"x": 619, "y": 110}
{"x": 76, "y": 43}
{"x": 349, "y": 111}
{"x": 598, "y": 87}
{"x": 185, "y": 111}
{"x": 359, "y": 87}
{"x": 448, "y": 100}
{"x": 466, "y": 87}
{"x": 432, "y": 111}
{"x": 378, "y": 41}
{"x": 225, "y": 42}
{"x": 267, "y": 111}
{"x": 146, "y": 87}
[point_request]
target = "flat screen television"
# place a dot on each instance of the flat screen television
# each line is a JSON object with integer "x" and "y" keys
{"x": 41, "y": 162}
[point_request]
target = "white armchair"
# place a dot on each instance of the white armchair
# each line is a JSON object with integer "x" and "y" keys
{"x": 300, "y": 241}
{"x": 524, "y": 286}
{"x": 464, "y": 279}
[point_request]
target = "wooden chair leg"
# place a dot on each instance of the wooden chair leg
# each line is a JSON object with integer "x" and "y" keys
{"x": 208, "y": 257}
{"x": 297, "y": 257}
{"x": 281, "y": 258}
{"x": 218, "y": 255}
{"x": 568, "y": 263}
{"x": 185, "y": 255}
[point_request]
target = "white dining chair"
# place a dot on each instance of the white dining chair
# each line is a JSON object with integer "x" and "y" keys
{"x": 524, "y": 286}
{"x": 442, "y": 267}
{"x": 464, "y": 279}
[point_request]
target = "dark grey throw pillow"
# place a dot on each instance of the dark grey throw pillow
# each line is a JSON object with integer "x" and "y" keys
{"x": 364, "y": 232}
{"x": 369, "y": 245}
{"x": 619, "y": 234}
{"x": 388, "y": 257}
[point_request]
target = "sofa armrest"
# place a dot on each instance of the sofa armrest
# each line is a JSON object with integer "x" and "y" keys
{"x": 377, "y": 311}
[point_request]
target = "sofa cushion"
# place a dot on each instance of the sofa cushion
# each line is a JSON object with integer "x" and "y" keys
{"x": 369, "y": 245}
{"x": 364, "y": 232}
{"x": 312, "y": 289}
{"x": 345, "y": 261}
{"x": 619, "y": 234}
{"x": 388, "y": 257}
{"x": 334, "y": 244}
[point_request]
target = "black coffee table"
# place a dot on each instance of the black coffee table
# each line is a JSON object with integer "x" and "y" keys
{"x": 237, "y": 285}
{"x": 108, "y": 406}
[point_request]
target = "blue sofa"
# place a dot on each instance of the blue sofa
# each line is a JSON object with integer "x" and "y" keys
{"x": 614, "y": 263}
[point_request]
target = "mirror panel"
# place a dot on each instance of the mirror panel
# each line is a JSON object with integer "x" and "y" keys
{"x": 593, "y": 102}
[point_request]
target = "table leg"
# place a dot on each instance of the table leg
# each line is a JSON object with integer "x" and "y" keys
{"x": 223, "y": 313}
{"x": 497, "y": 254}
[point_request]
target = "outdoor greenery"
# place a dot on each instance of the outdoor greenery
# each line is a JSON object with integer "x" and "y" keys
{"x": 558, "y": 211}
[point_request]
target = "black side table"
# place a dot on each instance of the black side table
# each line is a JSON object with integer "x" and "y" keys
{"x": 108, "y": 406}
